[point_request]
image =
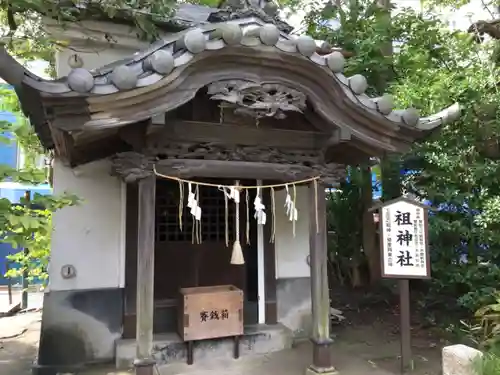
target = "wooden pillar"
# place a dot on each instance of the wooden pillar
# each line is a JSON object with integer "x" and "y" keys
{"x": 320, "y": 294}
{"x": 269, "y": 268}
{"x": 134, "y": 167}
{"x": 144, "y": 363}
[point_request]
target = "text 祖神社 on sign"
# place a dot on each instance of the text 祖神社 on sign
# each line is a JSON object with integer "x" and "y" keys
{"x": 404, "y": 242}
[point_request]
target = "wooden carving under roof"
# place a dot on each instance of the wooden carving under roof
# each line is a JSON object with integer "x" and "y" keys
{"x": 258, "y": 100}
{"x": 247, "y": 63}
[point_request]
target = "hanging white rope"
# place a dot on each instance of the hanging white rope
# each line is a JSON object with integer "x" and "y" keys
{"x": 237, "y": 254}
{"x": 240, "y": 187}
{"x": 259, "y": 207}
{"x": 233, "y": 193}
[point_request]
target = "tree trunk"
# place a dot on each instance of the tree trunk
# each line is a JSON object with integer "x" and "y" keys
{"x": 356, "y": 281}
{"x": 370, "y": 247}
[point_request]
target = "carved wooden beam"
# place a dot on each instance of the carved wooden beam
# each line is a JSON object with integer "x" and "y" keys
{"x": 258, "y": 100}
{"x": 303, "y": 160}
{"x": 233, "y": 134}
{"x": 132, "y": 166}
{"x": 189, "y": 168}
{"x": 221, "y": 151}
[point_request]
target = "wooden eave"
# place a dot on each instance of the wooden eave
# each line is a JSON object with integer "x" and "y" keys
{"x": 246, "y": 49}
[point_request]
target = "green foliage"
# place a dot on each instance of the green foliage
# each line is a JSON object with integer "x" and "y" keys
{"x": 345, "y": 209}
{"x": 29, "y": 226}
{"x": 26, "y": 138}
{"x": 460, "y": 284}
{"x": 457, "y": 168}
{"x": 458, "y": 173}
{"x": 488, "y": 364}
{"x": 365, "y": 30}
{"x": 485, "y": 332}
{"x": 488, "y": 329}
{"x": 457, "y": 4}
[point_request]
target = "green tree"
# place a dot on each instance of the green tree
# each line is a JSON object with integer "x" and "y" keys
{"x": 432, "y": 67}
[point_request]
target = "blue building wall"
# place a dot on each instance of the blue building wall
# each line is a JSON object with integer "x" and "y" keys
{"x": 8, "y": 156}
{"x": 8, "y": 151}
{"x": 376, "y": 187}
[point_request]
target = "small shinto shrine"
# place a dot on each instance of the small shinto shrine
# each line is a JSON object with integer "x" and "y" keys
{"x": 202, "y": 162}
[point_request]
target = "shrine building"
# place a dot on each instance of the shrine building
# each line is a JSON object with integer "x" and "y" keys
{"x": 154, "y": 139}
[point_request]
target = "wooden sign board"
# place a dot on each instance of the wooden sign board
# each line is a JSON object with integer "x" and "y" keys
{"x": 404, "y": 239}
{"x": 210, "y": 312}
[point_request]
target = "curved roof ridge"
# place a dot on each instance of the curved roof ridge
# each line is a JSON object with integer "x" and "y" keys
{"x": 162, "y": 59}
{"x": 146, "y": 78}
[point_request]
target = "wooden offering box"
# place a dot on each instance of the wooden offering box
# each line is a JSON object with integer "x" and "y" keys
{"x": 210, "y": 312}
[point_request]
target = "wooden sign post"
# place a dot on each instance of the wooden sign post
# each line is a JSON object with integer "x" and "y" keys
{"x": 405, "y": 255}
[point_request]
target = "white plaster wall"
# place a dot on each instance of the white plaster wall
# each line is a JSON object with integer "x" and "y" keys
{"x": 96, "y": 43}
{"x": 293, "y": 290}
{"x": 90, "y": 236}
{"x": 292, "y": 252}
{"x": 91, "y": 58}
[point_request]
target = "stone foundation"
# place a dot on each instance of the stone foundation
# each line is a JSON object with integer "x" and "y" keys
{"x": 313, "y": 371}
{"x": 78, "y": 327}
{"x": 294, "y": 305}
{"x": 169, "y": 348}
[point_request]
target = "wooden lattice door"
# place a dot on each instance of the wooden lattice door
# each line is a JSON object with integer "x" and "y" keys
{"x": 181, "y": 261}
